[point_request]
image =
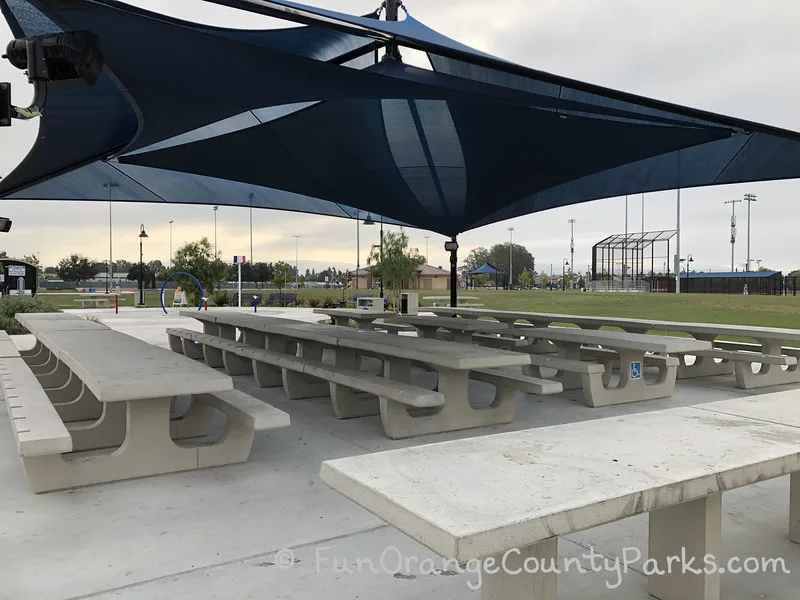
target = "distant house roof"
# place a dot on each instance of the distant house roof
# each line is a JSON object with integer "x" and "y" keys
{"x": 734, "y": 275}
{"x": 429, "y": 271}
{"x": 360, "y": 273}
{"x": 487, "y": 269}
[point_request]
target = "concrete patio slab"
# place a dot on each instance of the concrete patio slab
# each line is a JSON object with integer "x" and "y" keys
{"x": 212, "y": 534}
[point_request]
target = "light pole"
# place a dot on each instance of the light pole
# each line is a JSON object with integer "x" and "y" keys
{"x": 688, "y": 260}
{"x": 358, "y": 246}
{"x": 251, "y": 196}
{"x": 571, "y": 248}
{"x": 142, "y": 235}
{"x": 170, "y": 243}
{"x": 110, "y": 185}
{"x": 510, "y": 258}
{"x": 216, "y": 208}
{"x": 564, "y": 266}
{"x": 369, "y": 222}
{"x": 733, "y": 229}
{"x": 625, "y": 245}
{"x": 676, "y": 262}
{"x": 749, "y": 198}
{"x": 297, "y": 239}
{"x": 427, "y": 247}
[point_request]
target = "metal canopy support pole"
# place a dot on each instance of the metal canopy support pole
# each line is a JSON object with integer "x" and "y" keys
{"x": 381, "y": 257}
{"x": 392, "y": 12}
{"x": 358, "y": 246}
{"x": 452, "y": 248}
{"x": 677, "y": 264}
{"x": 625, "y": 245}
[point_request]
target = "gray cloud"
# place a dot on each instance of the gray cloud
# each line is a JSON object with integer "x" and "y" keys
{"x": 732, "y": 58}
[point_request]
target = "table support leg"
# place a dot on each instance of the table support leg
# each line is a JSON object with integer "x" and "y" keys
{"x": 516, "y": 579}
{"x": 175, "y": 343}
{"x": 299, "y": 386}
{"x": 191, "y": 349}
{"x": 30, "y": 356}
{"x": 147, "y": 450}
{"x": 767, "y": 375}
{"x": 693, "y": 530}
{"x": 794, "y": 509}
{"x": 49, "y": 363}
{"x": 213, "y": 356}
{"x": 400, "y": 421}
{"x": 347, "y": 402}
{"x": 56, "y": 378}
{"x": 235, "y": 364}
{"x": 85, "y": 407}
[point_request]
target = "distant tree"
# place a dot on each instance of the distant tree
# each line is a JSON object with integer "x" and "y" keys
{"x": 525, "y": 279}
{"x": 262, "y": 272}
{"x": 476, "y": 258}
{"x": 198, "y": 259}
{"x": 522, "y": 259}
{"x": 3, "y": 254}
{"x": 150, "y": 273}
{"x": 50, "y": 270}
{"x": 397, "y": 264}
{"x": 76, "y": 267}
{"x": 31, "y": 259}
{"x": 544, "y": 280}
{"x": 282, "y": 274}
{"x": 123, "y": 266}
{"x": 762, "y": 269}
{"x": 795, "y": 273}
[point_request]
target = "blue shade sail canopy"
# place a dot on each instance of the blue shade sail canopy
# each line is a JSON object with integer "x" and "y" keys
{"x": 310, "y": 119}
{"x": 487, "y": 269}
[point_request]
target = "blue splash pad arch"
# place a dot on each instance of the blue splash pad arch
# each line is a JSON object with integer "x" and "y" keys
{"x": 166, "y": 281}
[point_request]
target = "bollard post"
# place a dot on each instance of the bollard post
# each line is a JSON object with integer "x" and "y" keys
{"x": 116, "y": 304}
{"x": 205, "y": 303}
{"x": 255, "y": 304}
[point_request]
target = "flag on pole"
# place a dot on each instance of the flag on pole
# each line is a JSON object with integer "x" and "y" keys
{"x": 239, "y": 259}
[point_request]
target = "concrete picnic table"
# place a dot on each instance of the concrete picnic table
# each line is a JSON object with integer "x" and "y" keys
{"x": 452, "y": 362}
{"x": 631, "y": 351}
{"x": 364, "y": 319}
{"x": 769, "y": 342}
{"x": 510, "y": 496}
{"x": 135, "y": 382}
{"x": 462, "y": 329}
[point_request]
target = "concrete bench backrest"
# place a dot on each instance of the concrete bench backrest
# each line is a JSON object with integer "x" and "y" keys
{"x": 479, "y": 497}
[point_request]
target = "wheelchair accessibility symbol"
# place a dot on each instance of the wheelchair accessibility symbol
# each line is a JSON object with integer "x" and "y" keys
{"x": 636, "y": 370}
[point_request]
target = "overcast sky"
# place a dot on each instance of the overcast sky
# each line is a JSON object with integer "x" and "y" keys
{"x": 736, "y": 58}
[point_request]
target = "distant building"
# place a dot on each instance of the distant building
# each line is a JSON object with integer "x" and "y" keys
{"x": 361, "y": 279}
{"x": 432, "y": 279}
{"x": 429, "y": 279}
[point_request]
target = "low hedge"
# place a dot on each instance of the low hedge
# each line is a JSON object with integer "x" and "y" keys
{"x": 12, "y": 305}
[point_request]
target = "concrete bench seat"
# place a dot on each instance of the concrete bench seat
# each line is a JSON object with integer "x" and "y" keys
{"x": 259, "y": 361}
{"x": 514, "y": 381}
{"x": 740, "y": 357}
{"x": 509, "y": 497}
{"x": 392, "y": 328}
{"x": 38, "y": 429}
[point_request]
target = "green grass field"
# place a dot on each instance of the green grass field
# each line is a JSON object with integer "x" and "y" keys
{"x": 767, "y": 311}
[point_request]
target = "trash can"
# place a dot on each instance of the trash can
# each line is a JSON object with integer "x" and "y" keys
{"x": 409, "y": 303}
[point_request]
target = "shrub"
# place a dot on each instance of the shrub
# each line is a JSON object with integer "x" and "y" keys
{"x": 314, "y": 302}
{"x": 299, "y": 301}
{"x": 328, "y": 303}
{"x": 221, "y": 298}
{"x": 11, "y": 305}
